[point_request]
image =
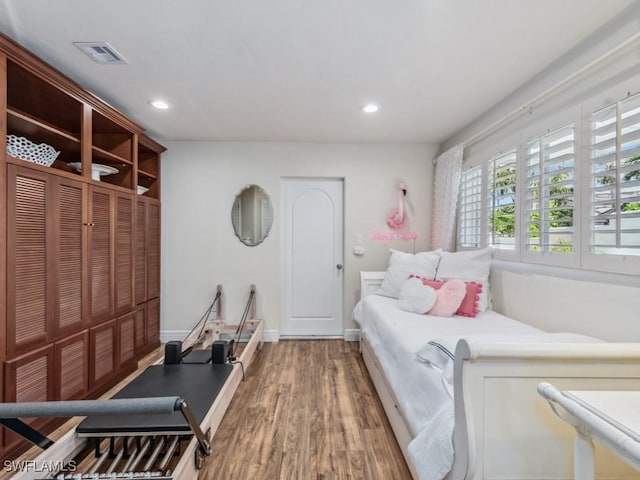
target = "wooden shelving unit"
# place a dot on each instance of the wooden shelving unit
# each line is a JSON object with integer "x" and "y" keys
{"x": 80, "y": 285}
{"x": 149, "y": 166}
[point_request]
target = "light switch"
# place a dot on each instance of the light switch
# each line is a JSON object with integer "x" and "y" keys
{"x": 358, "y": 244}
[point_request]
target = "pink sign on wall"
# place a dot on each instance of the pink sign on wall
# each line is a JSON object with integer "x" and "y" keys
{"x": 386, "y": 237}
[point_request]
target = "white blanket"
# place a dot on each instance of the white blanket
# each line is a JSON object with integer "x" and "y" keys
{"x": 425, "y": 396}
{"x": 431, "y": 452}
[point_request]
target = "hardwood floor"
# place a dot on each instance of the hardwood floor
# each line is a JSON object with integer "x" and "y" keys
{"x": 307, "y": 410}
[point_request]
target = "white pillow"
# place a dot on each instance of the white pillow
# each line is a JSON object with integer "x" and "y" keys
{"x": 427, "y": 261}
{"x": 470, "y": 266}
{"x": 402, "y": 264}
{"x": 416, "y": 297}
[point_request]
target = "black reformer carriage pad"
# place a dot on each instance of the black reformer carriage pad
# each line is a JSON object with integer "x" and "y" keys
{"x": 197, "y": 384}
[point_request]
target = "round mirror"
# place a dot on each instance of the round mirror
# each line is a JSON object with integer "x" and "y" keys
{"x": 252, "y": 215}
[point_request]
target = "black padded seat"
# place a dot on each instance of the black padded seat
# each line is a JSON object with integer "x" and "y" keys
{"x": 197, "y": 356}
{"x": 197, "y": 384}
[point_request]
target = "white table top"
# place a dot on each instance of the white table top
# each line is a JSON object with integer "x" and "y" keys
{"x": 621, "y": 409}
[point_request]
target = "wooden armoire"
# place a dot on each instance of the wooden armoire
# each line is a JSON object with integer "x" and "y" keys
{"x": 80, "y": 276}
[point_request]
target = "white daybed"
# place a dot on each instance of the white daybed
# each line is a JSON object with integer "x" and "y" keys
{"x": 502, "y": 429}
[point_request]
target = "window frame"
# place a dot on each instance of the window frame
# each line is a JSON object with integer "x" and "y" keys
{"x": 503, "y": 253}
{"x": 480, "y": 157}
{"x": 536, "y": 130}
{"x": 477, "y": 208}
{"x": 625, "y": 264}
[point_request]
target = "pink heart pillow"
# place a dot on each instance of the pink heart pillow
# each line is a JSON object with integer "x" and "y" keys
{"x": 448, "y": 298}
{"x": 469, "y": 305}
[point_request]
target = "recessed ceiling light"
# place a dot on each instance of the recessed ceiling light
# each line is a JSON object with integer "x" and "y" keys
{"x": 159, "y": 104}
{"x": 370, "y": 108}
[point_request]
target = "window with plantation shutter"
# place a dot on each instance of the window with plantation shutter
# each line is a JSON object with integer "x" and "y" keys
{"x": 614, "y": 200}
{"x": 502, "y": 201}
{"x": 550, "y": 190}
{"x": 470, "y": 209}
{"x": 565, "y": 191}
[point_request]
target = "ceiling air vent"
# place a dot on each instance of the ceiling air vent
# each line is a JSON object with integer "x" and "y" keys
{"x": 101, "y": 52}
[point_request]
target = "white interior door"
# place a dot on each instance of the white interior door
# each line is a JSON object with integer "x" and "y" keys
{"x": 313, "y": 256}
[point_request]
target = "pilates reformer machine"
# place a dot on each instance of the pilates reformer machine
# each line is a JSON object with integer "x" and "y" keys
{"x": 161, "y": 423}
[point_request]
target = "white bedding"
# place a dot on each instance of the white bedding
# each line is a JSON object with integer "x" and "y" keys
{"x": 424, "y": 398}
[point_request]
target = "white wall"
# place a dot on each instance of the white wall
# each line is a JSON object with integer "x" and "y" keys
{"x": 606, "y": 306}
{"x": 199, "y": 249}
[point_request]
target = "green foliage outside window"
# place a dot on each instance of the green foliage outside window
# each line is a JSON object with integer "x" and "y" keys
{"x": 629, "y": 176}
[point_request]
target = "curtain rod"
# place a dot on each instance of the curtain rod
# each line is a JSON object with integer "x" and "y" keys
{"x": 525, "y": 107}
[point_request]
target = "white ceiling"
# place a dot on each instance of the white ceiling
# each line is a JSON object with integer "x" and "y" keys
{"x": 299, "y": 70}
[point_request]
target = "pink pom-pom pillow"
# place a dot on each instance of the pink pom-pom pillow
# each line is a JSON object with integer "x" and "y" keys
{"x": 469, "y": 305}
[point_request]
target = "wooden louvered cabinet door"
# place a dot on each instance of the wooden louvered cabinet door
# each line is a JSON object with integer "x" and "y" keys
{"x": 101, "y": 292}
{"x": 141, "y": 251}
{"x": 147, "y": 327}
{"x": 141, "y": 331}
{"x": 68, "y": 261}
{"x": 153, "y": 323}
{"x": 153, "y": 249}
{"x": 28, "y": 227}
{"x": 45, "y": 245}
{"x": 147, "y": 259}
{"x": 127, "y": 335}
{"x": 103, "y": 347}
{"x": 72, "y": 367}
{"x": 124, "y": 253}
{"x": 29, "y": 378}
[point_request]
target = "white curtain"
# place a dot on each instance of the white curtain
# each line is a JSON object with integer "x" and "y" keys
{"x": 445, "y": 198}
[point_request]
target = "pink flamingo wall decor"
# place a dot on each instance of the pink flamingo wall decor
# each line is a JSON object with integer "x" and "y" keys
{"x": 397, "y": 218}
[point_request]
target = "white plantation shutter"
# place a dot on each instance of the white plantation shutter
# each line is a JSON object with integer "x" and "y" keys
{"x": 614, "y": 203}
{"x": 470, "y": 209}
{"x": 550, "y": 192}
{"x": 502, "y": 201}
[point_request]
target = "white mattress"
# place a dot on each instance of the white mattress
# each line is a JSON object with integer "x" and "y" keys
{"x": 396, "y": 336}
{"x": 425, "y": 398}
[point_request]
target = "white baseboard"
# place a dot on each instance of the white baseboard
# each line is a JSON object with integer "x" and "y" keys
{"x": 271, "y": 336}
{"x": 349, "y": 335}
{"x": 169, "y": 335}
{"x": 352, "y": 335}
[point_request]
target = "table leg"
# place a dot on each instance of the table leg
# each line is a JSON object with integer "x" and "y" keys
{"x": 583, "y": 457}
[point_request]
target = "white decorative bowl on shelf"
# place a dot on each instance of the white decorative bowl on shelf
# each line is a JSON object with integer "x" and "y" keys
{"x": 97, "y": 169}
{"x": 25, "y": 149}
{"x": 141, "y": 190}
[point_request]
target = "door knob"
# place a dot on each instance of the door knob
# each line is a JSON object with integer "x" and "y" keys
{"x": 339, "y": 266}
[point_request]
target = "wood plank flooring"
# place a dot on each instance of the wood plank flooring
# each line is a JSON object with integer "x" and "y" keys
{"x": 306, "y": 411}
